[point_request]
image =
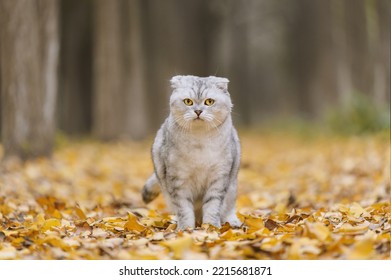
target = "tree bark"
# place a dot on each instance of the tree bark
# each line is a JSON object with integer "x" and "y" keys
{"x": 176, "y": 45}
{"x": 136, "y": 113}
{"x": 118, "y": 73}
{"x": 107, "y": 109}
{"x": 75, "y": 90}
{"x": 29, "y": 59}
{"x": 382, "y": 79}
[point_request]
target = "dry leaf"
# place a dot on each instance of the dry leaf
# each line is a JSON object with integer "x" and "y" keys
{"x": 80, "y": 213}
{"x": 50, "y": 223}
{"x": 362, "y": 250}
{"x": 179, "y": 246}
{"x": 85, "y": 203}
{"x": 133, "y": 224}
{"x": 270, "y": 224}
{"x": 319, "y": 230}
{"x": 354, "y": 229}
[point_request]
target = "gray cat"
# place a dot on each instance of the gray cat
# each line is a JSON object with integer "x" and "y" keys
{"x": 196, "y": 154}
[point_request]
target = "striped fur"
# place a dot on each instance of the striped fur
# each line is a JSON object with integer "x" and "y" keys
{"x": 196, "y": 161}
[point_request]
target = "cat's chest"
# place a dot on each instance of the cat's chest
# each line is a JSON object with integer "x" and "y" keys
{"x": 198, "y": 156}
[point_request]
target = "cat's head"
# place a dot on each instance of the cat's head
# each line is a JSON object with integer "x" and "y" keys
{"x": 198, "y": 102}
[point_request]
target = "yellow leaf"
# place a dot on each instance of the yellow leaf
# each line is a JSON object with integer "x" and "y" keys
{"x": 362, "y": 250}
{"x": 179, "y": 246}
{"x": 356, "y": 210}
{"x": 49, "y": 223}
{"x": 40, "y": 219}
{"x": 56, "y": 242}
{"x": 254, "y": 224}
{"x": 17, "y": 241}
{"x": 133, "y": 224}
{"x": 271, "y": 245}
{"x": 302, "y": 247}
{"x": 353, "y": 230}
{"x": 319, "y": 230}
{"x": 56, "y": 214}
{"x": 112, "y": 219}
{"x": 227, "y": 235}
{"x": 80, "y": 213}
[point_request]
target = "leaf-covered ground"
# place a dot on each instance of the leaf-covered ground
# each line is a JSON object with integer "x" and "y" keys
{"x": 325, "y": 198}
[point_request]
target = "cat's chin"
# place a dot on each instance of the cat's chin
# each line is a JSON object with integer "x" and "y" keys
{"x": 198, "y": 124}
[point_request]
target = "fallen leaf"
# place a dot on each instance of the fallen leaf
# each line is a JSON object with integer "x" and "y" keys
{"x": 356, "y": 210}
{"x": 80, "y": 213}
{"x": 133, "y": 224}
{"x": 179, "y": 246}
{"x": 319, "y": 230}
{"x": 270, "y": 224}
{"x": 50, "y": 223}
{"x": 354, "y": 229}
{"x": 362, "y": 250}
{"x": 324, "y": 198}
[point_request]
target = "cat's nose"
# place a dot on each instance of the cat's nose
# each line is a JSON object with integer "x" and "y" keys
{"x": 198, "y": 112}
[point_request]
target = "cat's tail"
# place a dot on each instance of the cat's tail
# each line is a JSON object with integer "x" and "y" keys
{"x": 151, "y": 189}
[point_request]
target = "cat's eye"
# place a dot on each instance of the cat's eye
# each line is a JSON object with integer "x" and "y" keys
{"x": 188, "y": 101}
{"x": 209, "y": 102}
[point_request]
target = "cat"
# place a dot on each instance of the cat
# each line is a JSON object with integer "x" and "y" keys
{"x": 196, "y": 154}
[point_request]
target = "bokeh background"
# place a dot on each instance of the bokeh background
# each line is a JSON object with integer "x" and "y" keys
{"x": 85, "y": 85}
{"x": 102, "y": 67}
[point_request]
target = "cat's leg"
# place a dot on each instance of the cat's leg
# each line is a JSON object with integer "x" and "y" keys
{"x": 232, "y": 219}
{"x": 212, "y": 203}
{"x": 181, "y": 203}
{"x": 185, "y": 214}
{"x": 228, "y": 209}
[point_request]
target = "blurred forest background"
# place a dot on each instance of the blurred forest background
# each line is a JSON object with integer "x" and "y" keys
{"x": 101, "y": 68}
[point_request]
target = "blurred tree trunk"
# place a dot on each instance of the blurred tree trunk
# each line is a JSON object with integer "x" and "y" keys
{"x": 159, "y": 40}
{"x": 74, "y": 100}
{"x": 137, "y": 115}
{"x": 381, "y": 48}
{"x": 1, "y": 90}
{"x": 240, "y": 60}
{"x": 29, "y": 59}
{"x": 302, "y": 53}
{"x": 118, "y": 73}
{"x": 108, "y": 95}
{"x": 320, "y": 78}
{"x": 358, "y": 55}
{"x": 176, "y": 44}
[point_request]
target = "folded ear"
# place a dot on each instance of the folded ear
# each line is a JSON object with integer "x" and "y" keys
{"x": 183, "y": 81}
{"x": 176, "y": 81}
{"x": 220, "y": 83}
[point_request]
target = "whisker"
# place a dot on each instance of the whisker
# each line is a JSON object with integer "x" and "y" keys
{"x": 182, "y": 125}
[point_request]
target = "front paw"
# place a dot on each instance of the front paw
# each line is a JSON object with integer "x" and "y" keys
{"x": 182, "y": 226}
{"x": 234, "y": 222}
{"x": 214, "y": 223}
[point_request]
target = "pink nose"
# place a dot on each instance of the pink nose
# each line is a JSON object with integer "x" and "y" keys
{"x": 198, "y": 112}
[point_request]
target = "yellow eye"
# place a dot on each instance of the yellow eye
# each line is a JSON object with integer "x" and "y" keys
{"x": 188, "y": 101}
{"x": 209, "y": 102}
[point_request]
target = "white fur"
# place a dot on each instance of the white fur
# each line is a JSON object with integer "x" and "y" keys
{"x": 196, "y": 160}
